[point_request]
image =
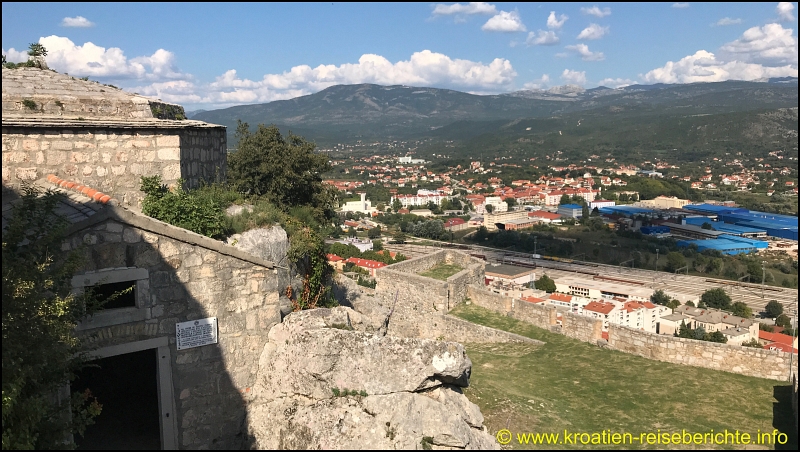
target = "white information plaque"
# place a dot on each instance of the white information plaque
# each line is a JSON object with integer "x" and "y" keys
{"x": 196, "y": 333}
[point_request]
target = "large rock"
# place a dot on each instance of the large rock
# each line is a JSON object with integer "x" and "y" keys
{"x": 409, "y": 389}
{"x": 267, "y": 243}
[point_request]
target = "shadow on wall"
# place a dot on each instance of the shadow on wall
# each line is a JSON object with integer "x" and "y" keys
{"x": 783, "y": 417}
{"x": 203, "y": 391}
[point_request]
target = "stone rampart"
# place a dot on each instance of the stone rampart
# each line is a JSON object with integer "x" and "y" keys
{"x": 112, "y": 157}
{"x": 754, "y": 362}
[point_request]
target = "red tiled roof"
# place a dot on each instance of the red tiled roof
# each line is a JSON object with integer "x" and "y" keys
{"x": 561, "y": 297}
{"x": 366, "y": 263}
{"x": 776, "y": 337}
{"x": 89, "y": 192}
{"x": 532, "y": 299}
{"x": 781, "y": 347}
{"x": 599, "y": 306}
{"x": 334, "y": 258}
{"x": 546, "y": 215}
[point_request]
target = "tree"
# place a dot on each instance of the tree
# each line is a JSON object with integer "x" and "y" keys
{"x": 35, "y": 49}
{"x": 684, "y": 331}
{"x": 396, "y": 205}
{"x": 716, "y": 298}
{"x": 545, "y": 283}
{"x": 40, "y": 350}
{"x": 511, "y": 202}
{"x": 489, "y": 208}
{"x": 707, "y": 226}
{"x": 742, "y": 310}
{"x": 399, "y": 237}
{"x": 752, "y": 343}
{"x": 595, "y": 212}
{"x": 660, "y": 298}
{"x": 565, "y": 199}
{"x": 716, "y": 336}
{"x": 784, "y": 321}
{"x": 585, "y": 212}
{"x": 673, "y": 303}
{"x": 773, "y": 309}
{"x": 351, "y": 231}
{"x": 690, "y": 303}
{"x": 285, "y": 170}
{"x": 675, "y": 260}
{"x": 374, "y": 233}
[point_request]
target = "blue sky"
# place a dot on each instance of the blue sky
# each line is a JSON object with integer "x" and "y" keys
{"x": 206, "y": 55}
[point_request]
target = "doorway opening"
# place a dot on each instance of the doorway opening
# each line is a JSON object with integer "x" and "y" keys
{"x": 127, "y": 387}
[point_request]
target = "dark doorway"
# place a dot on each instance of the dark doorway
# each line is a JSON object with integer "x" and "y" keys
{"x": 126, "y": 387}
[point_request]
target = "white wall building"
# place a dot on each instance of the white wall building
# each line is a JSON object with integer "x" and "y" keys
{"x": 363, "y": 206}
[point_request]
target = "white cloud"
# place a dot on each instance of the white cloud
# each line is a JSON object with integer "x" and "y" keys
{"x": 77, "y": 22}
{"x": 593, "y": 31}
{"x": 770, "y": 45}
{"x": 15, "y": 56}
{"x": 464, "y": 9}
{"x": 704, "y": 66}
{"x": 727, "y": 21}
{"x": 596, "y": 11}
{"x": 785, "y": 13}
{"x": 92, "y": 60}
{"x": 761, "y": 52}
{"x": 574, "y": 77}
{"x": 542, "y": 38}
{"x": 680, "y": 5}
{"x": 505, "y": 22}
{"x": 540, "y": 83}
{"x": 555, "y": 23}
{"x": 424, "y": 68}
{"x": 616, "y": 82}
{"x": 585, "y": 53}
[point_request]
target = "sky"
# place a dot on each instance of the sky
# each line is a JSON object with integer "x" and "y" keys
{"x": 215, "y": 55}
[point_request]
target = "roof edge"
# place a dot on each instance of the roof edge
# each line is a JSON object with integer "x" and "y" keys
{"x": 161, "y": 228}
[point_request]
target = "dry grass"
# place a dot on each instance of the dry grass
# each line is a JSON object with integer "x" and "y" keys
{"x": 568, "y": 384}
{"x": 442, "y": 271}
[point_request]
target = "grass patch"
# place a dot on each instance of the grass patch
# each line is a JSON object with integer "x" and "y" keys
{"x": 442, "y": 271}
{"x": 568, "y": 384}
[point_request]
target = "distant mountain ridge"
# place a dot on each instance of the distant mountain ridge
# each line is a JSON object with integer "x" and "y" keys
{"x": 348, "y": 112}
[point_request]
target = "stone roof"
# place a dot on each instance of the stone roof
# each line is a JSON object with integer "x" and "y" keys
{"x": 31, "y": 92}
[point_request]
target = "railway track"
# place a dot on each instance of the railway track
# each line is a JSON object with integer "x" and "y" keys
{"x": 753, "y": 295}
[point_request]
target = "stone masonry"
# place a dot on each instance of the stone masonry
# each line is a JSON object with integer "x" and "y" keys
{"x": 185, "y": 277}
{"x": 102, "y": 136}
{"x": 749, "y": 361}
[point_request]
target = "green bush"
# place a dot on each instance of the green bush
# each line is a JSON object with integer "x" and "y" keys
{"x": 192, "y": 210}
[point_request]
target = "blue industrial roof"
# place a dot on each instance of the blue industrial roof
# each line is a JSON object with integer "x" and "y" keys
{"x": 735, "y": 228}
{"x": 761, "y": 244}
{"x": 625, "y": 210}
{"x": 723, "y": 245}
{"x": 571, "y": 206}
{"x": 711, "y": 208}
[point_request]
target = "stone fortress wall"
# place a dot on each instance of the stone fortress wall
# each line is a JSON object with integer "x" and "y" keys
{"x": 748, "y": 361}
{"x": 113, "y": 157}
{"x": 103, "y": 136}
{"x": 422, "y": 303}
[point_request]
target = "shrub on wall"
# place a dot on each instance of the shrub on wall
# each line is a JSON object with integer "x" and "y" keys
{"x": 178, "y": 207}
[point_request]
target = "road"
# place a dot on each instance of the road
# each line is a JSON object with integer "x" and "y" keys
{"x": 752, "y": 294}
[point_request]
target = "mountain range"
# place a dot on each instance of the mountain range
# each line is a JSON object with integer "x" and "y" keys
{"x": 346, "y": 113}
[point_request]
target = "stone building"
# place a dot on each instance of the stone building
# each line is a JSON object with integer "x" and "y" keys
{"x": 179, "y": 352}
{"x": 106, "y": 138}
{"x": 157, "y": 389}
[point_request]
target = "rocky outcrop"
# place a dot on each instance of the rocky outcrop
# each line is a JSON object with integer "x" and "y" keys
{"x": 401, "y": 393}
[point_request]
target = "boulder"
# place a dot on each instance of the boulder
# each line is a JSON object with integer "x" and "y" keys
{"x": 401, "y": 392}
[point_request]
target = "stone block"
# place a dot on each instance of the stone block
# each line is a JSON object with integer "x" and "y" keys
{"x": 62, "y": 145}
{"x": 168, "y": 140}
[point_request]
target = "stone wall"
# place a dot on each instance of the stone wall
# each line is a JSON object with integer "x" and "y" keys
{"x": 730, "y": 358}
{"x": 754, "y": 362}
{"x": 112, "y": 158}
{"x": 423, "y": 294}
{"x": 187, "y": 281}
